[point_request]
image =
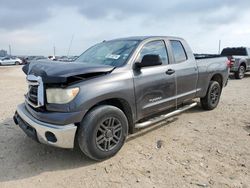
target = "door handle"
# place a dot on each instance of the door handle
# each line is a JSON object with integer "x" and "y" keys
{"x": 170, "y": 71}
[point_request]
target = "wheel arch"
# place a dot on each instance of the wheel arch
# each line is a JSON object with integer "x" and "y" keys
{"x": 244, "y": 64}
{"x": 215, "y": 77}
{"x": 218, "y": 78}
{"x": 123, "y": 105}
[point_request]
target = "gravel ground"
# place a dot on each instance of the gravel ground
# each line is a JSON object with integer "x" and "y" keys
{"x": 195, "y": 149}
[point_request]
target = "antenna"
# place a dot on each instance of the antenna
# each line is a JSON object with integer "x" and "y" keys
{"x": 70, "y": 44}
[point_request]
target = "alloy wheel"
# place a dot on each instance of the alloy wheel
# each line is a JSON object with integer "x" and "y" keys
{"x": 242, "y": 71}
{"x": 108, "y": 134}
{"x": 214, "y": 95}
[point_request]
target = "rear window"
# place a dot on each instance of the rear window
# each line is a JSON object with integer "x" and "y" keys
{"x": 234, "y": 51}
{"x": 178, "y": 51}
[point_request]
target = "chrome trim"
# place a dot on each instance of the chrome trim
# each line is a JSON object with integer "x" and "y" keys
{"x": 176, "y": 97}
{"x": 30, "y": 103}
{"x": 33, "y": 80}
{"x": 33, "y": 83}
{"x": 165, "y": 116}
{"x": 65, "y": 134}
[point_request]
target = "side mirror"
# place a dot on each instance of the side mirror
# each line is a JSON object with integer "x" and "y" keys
{"x": 149, "y": 61}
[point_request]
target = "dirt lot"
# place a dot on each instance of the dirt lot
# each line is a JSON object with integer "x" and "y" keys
{"x": 199, "y": 148}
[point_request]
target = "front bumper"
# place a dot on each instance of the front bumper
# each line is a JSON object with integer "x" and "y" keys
{"x": 46, "y": 133}
{"x": 57, "y": 118}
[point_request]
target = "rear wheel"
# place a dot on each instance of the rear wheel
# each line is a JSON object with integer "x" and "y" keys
{"x": 240, "y": 73}
{"x": 102, "y": 132}
{"x": 212, "y": 98}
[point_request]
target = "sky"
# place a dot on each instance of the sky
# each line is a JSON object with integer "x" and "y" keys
{"x": 33, "y": 27}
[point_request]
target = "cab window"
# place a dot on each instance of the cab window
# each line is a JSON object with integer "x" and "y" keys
{"x": 155, "y": 48}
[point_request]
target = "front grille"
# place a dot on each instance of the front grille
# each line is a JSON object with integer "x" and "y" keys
{"x": 35, "y": 95}
{"x": 32, "y": 94}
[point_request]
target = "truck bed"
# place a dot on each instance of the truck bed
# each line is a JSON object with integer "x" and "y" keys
{"x": 208, "y": 65}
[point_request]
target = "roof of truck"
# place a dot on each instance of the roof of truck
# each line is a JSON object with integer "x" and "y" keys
{"x": 141, "y": 38}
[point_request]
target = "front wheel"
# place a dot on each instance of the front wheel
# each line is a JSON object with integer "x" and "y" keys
{"x": 17, "y": 63}
{"x": 102, "y": 132}
{"x": 240, "y": 73}
{"x": 212, "y": 98}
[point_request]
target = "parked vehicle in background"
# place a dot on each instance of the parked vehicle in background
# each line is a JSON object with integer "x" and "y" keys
{"x": 30, "y": 59}
{"x": 23, "y": 59}
{"x": 10, "y": 61}
{"x": 66, "y": 58}
{"x": 114, "y": 88}
{"x": 53, "y": 58}
{"x": 239, "y": 60}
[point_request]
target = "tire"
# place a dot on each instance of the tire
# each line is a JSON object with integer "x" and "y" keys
{"x": 17, "y": 63}
{"x": 240, "y": 73}
{"x": 212, "y": 98}
{"x": 102, "y": 132}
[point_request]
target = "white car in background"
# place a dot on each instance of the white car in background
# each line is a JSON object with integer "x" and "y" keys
{"x": 10, "y": 61}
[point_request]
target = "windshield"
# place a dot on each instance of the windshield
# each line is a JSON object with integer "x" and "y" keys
{"x": 114, "y": 53}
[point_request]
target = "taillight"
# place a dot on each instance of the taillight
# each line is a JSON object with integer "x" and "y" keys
{"x": 230, "y": 62}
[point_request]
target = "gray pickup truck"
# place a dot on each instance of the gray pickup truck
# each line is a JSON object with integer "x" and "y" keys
{"x": 239, "y": 60}
{"x": 115, "y": 88}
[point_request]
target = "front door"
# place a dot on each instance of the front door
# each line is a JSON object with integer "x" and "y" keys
{"x": 155, "y": 87}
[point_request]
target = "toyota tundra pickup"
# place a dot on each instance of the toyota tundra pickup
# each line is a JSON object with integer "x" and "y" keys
{"x": 239, "y": 60}
{"x": 115, "y": 88}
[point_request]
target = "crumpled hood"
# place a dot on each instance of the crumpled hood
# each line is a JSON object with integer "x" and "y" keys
{"x": 61, "y": 72}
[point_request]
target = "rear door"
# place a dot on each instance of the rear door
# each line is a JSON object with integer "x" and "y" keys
{"x": 155, "y": 89}
{"x": 186, "y": 70}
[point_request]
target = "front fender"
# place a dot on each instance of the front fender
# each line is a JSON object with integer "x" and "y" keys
{"x": 117, "y": 85}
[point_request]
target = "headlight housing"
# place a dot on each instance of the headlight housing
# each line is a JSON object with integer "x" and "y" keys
{"x": 61, "y": 96}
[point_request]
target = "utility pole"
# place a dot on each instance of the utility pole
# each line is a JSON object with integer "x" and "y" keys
{"x": 70, "y": 44}
{"x": 219, "y": 46}
{"x": 54, "y": 51}
{"x": 9, "y": 49}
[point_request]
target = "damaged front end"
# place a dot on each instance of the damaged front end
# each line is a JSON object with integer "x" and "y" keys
{"x": 64, "y": 72}
{"x": 42, "y": 76}
{"x": 60, "y": 79}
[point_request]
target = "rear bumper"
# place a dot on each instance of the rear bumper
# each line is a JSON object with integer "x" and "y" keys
{"x": 234, "y": 69}
{"x": 46, "y": 133}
